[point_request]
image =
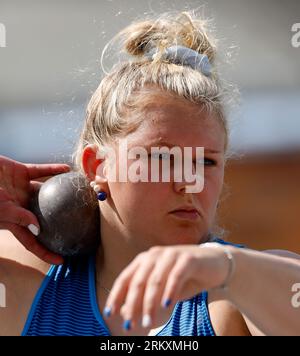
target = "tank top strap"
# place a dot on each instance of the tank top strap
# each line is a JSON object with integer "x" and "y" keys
{"x": 223, "y": 242}
{"x": 65, "y": 303}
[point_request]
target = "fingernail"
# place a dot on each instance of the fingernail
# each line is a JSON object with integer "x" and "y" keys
{"x": 167, "y": 302}
{"x": 33, "y": 229}
{"x": 147, "y": 321}
{"x": 127, "y": 324}
{"x": 107, "y": 312}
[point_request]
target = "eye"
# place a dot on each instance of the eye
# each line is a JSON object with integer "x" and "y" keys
{"x": 161, "y": 155}
{"x": 207, "y": 162}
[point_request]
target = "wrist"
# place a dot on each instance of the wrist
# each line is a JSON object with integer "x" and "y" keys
{"x": 227, "y": 266}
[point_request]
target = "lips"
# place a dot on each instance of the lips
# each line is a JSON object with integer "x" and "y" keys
{"x": 186, "y": 213}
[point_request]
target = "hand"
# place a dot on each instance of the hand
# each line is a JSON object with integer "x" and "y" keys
{"x": 161, "y": 276}
{"x": 18, "y": 181}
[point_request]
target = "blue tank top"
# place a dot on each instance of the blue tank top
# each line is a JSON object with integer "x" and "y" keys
{"x": 66, "y": 304}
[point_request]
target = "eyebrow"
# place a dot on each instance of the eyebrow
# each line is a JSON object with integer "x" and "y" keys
{"x": 164, "y": 143}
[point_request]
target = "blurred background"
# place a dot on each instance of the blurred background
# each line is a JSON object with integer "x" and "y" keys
{"x": 51, "y": 66}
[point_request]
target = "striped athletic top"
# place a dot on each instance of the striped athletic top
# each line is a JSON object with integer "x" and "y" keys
{"x": 66, "y": 304}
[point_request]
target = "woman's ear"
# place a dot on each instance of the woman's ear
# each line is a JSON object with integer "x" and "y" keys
{"x": 91, "y": 163}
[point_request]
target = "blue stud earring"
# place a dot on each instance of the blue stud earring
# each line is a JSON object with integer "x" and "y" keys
{"x": 101, "y": 195}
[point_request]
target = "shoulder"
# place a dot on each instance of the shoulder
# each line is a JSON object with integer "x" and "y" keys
{"x": 21, "y": 274}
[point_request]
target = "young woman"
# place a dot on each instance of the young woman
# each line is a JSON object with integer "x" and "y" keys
{"x": 157, "y": 270}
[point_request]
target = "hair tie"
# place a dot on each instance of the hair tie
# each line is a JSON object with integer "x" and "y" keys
{"x": 184, "y": 56}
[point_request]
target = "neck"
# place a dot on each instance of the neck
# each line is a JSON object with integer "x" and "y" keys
{"x": 113, "y": 255}
{"x": 116, "y": 251}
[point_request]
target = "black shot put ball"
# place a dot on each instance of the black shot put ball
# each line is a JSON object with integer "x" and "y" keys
{"x": 67, "y": 210}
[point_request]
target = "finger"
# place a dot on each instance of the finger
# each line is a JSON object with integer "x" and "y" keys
{"x": 43, "y": 179}
{"x": 133, "y": 306}
{"x": 155, "y": 287}
{"x": 42, "y": 170}
{"x": 11, "y": 213}
{"x": 119, "y": 290}
{"x": 35, "y": 186}
{"x": 32, "y": 245}
{"x": 177, "y": 278}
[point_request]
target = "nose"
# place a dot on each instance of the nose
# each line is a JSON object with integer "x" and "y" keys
{"x": 192, "y": 180}
{"x": 180, "y": 187}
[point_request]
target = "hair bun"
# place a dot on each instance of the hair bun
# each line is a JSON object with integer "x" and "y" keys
{"x": 185, "y": 29}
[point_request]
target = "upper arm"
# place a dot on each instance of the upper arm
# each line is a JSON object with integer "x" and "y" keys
{"x": 20, "y": 276}
{"x": 253, "y": 329}
{"x": 227, "y": 319}
{"x": 284, "y": 253}
{"x": 12, "y": 249}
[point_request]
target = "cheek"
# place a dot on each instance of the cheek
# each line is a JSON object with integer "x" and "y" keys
{"x": 139, "y": 199}
{"x": 212, "y": 189}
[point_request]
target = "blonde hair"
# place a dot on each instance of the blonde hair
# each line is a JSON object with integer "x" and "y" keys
{"x": 106, "y": 115}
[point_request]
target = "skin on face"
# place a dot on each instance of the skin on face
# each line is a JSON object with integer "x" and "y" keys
{"x": 141, "y": 210}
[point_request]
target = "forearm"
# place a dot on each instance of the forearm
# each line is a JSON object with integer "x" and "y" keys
{"x": 261, "y": 288}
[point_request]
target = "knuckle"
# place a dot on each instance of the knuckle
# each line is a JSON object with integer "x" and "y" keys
{"x": 122, "y": 278}
{"x": 155, "y": 250}
{"x": 177, "y": 275}
{"x": 138, "y": 284}
{"x": 179, "y": 272}
{"x": 140, "y": 257}
{"x": 157, "y": 276}
{"x": 149, "y": 306}
{"x": 168, "y": 252}
{"x": 21, "y": 219}
{"x": 186, "y": 259}
{"x": 156, "y": 280}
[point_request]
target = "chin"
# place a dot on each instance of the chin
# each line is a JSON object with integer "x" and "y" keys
{"x": 184, "y": 237}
